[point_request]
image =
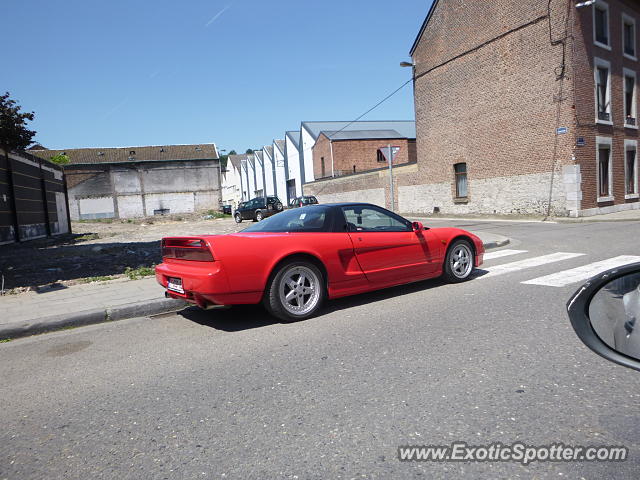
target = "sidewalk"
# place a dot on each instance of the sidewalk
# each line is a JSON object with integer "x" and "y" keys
{"x": 43, "y": 311}
{"x": 32, "y": 313}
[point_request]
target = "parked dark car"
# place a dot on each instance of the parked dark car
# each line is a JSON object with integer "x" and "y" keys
{"x": 302, "y": 201}
{"x": 227, "y": 209}
{"x": 257, "y": 208}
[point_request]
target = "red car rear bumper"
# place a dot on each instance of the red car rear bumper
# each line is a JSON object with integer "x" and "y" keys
{"x": 204, "y": 284}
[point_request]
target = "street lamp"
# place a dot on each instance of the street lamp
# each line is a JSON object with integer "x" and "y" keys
{"x": 407, "y": 64}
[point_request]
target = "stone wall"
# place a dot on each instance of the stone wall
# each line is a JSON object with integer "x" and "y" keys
{"x": 524, "y": 194}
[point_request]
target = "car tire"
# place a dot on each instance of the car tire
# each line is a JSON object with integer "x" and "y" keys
{"x": 238, "y": 218}
{"x": 259, "y": 216}
{"x": 308, "y": 294}
{"x": 278, "y": 207}
{"x": 459, "y": 262}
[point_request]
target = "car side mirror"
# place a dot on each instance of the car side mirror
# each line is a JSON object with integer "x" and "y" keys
{"x": 605, "y": 313}
{"x": 417, "y": 227}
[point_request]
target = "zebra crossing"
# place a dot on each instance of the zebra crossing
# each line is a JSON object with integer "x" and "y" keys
{"x": 559, "y": 278}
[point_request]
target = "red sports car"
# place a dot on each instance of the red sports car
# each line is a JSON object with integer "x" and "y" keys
{"x": 293, "y": 261}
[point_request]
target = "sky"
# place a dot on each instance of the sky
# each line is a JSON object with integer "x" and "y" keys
{"x": 238, "y": 73}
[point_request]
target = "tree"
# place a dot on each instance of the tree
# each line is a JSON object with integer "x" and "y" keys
{"x": 14, "y": 133}
{"x": 60, "y": 159}
{"x": 233, "y": 152}
{"x": 249, "y": 151}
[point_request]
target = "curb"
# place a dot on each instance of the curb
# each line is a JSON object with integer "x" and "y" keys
{"x": 496, "y": 243}
{"x": 27, "y": 328}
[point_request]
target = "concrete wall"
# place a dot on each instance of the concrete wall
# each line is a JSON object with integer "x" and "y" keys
{"x": 144, "y": 189}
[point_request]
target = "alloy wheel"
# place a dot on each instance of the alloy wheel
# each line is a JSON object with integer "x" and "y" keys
{"x": 461, "y": 261}
{"x": 299, "y": 290}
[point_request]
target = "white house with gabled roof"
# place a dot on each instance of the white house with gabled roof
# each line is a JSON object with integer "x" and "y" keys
{"x": 259, "y": 173}
{"x": 279, "y": 173}
{"x": 251, "y": 174}
{"x": 269, "y": 183}
{"x": 292, "y": 164}
{"x": 232, "y": 182}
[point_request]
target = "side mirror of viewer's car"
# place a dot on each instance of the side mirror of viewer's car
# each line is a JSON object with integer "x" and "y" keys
{"x": 605, "y": 313}
{"x": 418, "y": 227}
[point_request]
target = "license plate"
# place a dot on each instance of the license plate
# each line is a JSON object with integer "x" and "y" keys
{"x": 175, "y": 285}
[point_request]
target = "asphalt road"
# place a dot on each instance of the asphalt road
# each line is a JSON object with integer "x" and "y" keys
{"x": 234, "y": 394}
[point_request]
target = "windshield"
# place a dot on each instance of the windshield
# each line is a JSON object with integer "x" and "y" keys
{"x": 306, "y": 219}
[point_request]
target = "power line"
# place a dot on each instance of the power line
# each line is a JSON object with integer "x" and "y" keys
{"x": 374, "y": 107}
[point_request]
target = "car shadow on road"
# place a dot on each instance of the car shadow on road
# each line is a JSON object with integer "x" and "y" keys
{"x": 233, "y": 319}
{"x": 381, "y": 295}
{"x": 246, "y": 317}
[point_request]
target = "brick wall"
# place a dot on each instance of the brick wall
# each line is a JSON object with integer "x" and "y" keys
{"x": 361, "y": 154}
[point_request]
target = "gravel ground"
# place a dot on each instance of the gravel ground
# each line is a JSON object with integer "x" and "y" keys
{"x": 98, "y": 251}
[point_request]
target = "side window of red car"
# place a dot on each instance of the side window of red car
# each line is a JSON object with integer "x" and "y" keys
{"x": 371, "y": 219}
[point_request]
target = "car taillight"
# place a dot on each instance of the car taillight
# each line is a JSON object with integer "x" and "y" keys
{"x": 193, "y": 249}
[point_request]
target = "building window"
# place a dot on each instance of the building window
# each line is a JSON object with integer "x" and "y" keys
{"x": 603, "y": 91}
{"x": 322, "y": 167}
{"x": 630, "y": 103}
{"x": 629, "y": 36}
{"x": 631, "y": 169}
{"x": 460, "y": 170}
{"x": 601, "y": 24}
{"x": 604, "y": 174}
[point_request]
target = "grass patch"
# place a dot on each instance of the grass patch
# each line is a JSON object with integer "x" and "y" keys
{"x": 140, "y": 272}
{"x": 87, "y": 236}
{"x": 5, "y": 340}
{"x": 97, "y": 220}
{"x": 102, "y": 278}
{"x": 215, "y": 214}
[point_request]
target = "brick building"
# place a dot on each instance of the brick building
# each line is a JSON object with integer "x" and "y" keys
{"x": 344, "y": 153}
{"x": 536, "y": 111}
{"x": 521, "y": 107}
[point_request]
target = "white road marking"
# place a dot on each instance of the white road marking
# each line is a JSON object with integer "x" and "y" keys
{"x": 527, "y": 263}
{"x": 502, "y": 253}
{"x": 575, "y": 275}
